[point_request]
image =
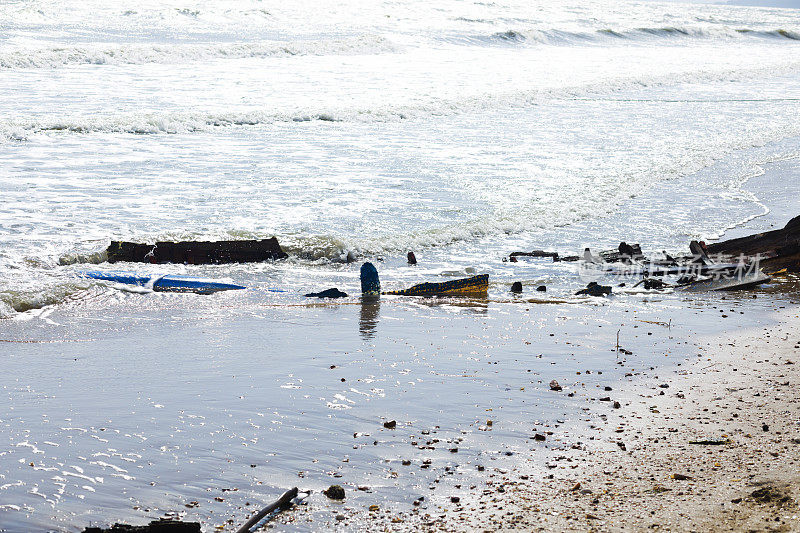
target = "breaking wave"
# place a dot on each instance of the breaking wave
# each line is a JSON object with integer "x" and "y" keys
{"x": 632, "y": 35}
{"x": 13, "y": 302}
{"x": 178, "y": 122}
{"x": 136, "y": 54}
{"x": 366, "y": 44}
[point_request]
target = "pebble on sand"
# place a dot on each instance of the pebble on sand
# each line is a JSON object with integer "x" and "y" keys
{"x": 334, "y": 492}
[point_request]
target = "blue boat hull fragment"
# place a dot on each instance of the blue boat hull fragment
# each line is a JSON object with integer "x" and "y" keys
{"x": 169, "y": 283}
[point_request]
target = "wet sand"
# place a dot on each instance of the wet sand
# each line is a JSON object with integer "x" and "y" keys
{"x": 465, "y": 446}
{"x": 711, "y": 447}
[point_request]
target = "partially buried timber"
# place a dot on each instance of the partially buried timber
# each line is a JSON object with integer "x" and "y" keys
{"x": 197, "y": 252}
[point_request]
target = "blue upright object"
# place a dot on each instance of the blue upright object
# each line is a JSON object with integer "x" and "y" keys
{"x": 163, "y": 283}
{"x": 370, "y": 283}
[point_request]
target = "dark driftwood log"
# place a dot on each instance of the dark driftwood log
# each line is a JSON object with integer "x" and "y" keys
{"x": 196, "y": 252}
{"x": 284, "y": 502}
{"x": 157, "y": 526}
{"x": 778, "y": 249}
{"x": 536, "y": 253}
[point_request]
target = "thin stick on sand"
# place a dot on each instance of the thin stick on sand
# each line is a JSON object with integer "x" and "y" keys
{"x": 284, "y": 502}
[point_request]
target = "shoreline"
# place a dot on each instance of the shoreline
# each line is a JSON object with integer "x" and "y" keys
{"x": 741, "y": 390}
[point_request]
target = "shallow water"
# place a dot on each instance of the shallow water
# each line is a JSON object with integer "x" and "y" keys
{"x": 137, "y": 413}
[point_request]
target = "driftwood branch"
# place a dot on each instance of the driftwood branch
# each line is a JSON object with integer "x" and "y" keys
{"x": 284, "y": 502}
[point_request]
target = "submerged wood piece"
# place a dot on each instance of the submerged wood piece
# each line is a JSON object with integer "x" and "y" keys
{"x": 476, "y": 285}
{"x": 197, "y": 252}
{"x": 727, "y": 283}
{"x": 169, "y": 283}
{"x": 535, "y": 253}
{"x": 625, "y": 252}
{"x": 778, "y": 249}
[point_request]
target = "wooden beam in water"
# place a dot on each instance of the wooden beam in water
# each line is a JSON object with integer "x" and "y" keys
{"x": 197, "y": 252}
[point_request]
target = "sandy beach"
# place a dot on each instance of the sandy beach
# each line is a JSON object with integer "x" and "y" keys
{"x": 712, "y": 446}
{"x": 741, "y": 390}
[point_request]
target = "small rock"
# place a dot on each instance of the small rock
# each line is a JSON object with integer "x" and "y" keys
{"x": 539, "y": 437}
{"x": 455, "y": 499}
{"x": 334, "y": 492}
{"x": 328, "y": 293}
{"x": 391, "y": 424}
{"x": 412, "y": 259}
{"x": 555, "y": 386}
{"x": 516, "y": 287}
{"x": 541, "y": 288}
{"x": 593, "y": 289}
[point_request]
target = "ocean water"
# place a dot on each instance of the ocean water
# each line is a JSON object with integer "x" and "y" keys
{"x": 356, "y": 131}
{"x": 374, "y": 128}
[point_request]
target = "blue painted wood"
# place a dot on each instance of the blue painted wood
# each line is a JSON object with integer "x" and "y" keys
{"x": 370, "y": 282}
{"x": 170, "y": 283}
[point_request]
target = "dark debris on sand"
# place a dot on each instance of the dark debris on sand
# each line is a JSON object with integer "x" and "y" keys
{"x": 156, "y": 526}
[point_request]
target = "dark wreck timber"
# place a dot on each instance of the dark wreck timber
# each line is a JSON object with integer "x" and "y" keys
{"x": 776, "y": 249}
{"x": 156, "y": 526}
{"x": 197, "y": 252}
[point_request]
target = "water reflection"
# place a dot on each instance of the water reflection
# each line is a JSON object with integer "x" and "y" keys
{"x": 474, "y": 304}
{"x": 368, "y": 319}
